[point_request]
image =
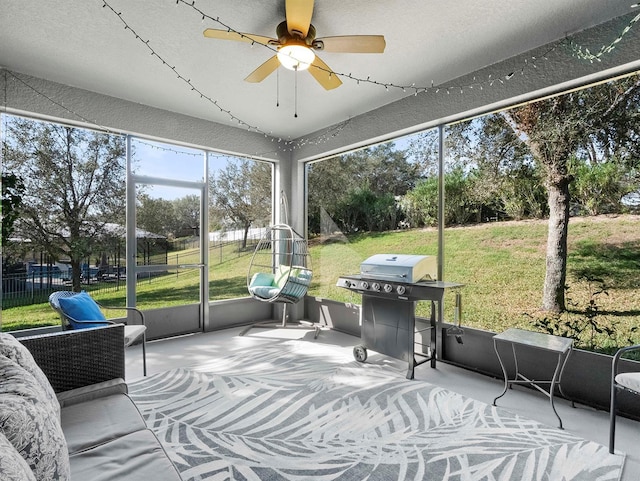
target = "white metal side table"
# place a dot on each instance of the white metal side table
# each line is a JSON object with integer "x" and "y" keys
{"x": 547, "y": 342}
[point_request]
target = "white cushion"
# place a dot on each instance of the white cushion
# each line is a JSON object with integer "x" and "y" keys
{"x": 30, "y": 424}
{"x": 133, "y": 332}
{"x": 630, "y": 380}
{"x": 13, "y": 467}
{"x": 13, "y": 349}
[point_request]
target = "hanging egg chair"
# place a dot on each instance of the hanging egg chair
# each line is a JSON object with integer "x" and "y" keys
{"x": 280, "y": 272}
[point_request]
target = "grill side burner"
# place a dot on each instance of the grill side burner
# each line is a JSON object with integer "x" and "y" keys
{"x": 388, "y": 317}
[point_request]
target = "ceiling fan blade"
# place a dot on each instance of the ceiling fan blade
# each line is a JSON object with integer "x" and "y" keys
{"x": 237, "y": 36}
{"x": 324, "y": 75}
{"x": 264, "y": 70}
{"x": 353, "y": 44}
{"x": 299, "y": 14}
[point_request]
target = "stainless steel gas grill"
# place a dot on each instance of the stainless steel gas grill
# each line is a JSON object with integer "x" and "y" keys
{"x": 390, "y": 285}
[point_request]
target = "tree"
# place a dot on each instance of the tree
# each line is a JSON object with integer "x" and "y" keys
{"x": 240, "y": 194}
{"x": 598, "y": 188}
{"x": 12, "y": 192}
{"x": 420, "y": 205}
{"x": 186, "y": 211}
{"x": 597, "y": 119}
{"x": 154, "y": 215}
{"x": 363, "y": 209}
{"x": 383, "y": 171}
{"x": 74, "y": 183}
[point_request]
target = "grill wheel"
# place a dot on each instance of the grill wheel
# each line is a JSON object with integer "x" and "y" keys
{"x": 360, "y": 353}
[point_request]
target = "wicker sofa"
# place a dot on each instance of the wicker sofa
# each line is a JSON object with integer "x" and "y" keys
{"x": 65, "y": 413}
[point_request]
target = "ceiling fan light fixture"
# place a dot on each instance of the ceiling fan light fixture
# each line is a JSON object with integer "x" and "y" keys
{"x": 296, "y": 56}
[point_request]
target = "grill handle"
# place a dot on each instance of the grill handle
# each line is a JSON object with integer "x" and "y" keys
{"x": 378, "y": 275}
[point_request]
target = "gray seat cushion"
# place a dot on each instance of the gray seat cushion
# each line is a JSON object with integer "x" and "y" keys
{"x": 99, "y": 421}
{"x": 133, "y": 332}
{"x": 630, "y": 380}
{"x": 135, "y": 457}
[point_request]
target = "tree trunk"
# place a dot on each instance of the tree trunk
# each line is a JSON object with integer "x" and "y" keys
{"x": 556, "y": 274}
{"x": 246, "y": 235}
{"x": 75, "y": 275}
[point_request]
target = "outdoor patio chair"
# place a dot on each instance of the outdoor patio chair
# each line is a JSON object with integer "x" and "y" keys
{"x": 78, "y": 310}
{"x": 627, "y": 381}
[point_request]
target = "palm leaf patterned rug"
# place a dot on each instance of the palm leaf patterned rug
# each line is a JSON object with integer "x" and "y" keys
{"x": 297, "y": 410}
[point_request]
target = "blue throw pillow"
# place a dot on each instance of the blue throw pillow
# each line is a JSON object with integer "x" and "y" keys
{"x": 82, "y": 307}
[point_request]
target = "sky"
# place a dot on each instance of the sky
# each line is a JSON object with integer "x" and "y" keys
{"x": 171, "y": 162}
{"x": 182, "y": 163}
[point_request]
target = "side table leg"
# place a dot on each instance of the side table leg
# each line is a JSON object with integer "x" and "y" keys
{"x": 564, "y": 363}
{"x": 504, "y": 373}
{"x": 552, "y": 388}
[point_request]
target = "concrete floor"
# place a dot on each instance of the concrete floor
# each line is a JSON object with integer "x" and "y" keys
{"x": 582, "y": 421}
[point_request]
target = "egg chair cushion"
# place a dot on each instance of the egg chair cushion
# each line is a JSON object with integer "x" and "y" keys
{"x": 262, "y": 285}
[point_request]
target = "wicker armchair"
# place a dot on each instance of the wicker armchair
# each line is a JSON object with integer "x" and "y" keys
{"x": 131, "y": 332}
{"x": 74, "y": 359}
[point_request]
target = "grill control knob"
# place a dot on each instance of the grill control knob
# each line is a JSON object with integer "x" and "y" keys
{"x": 400, "y": 290}
{"x": 376, "y": 287}
{"x": 364, "y": 285}
{"x": 388, "y": 288}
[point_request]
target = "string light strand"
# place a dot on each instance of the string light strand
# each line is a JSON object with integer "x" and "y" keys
{"x": 69, "y": 110}
{"x": 187, "y": 81}
{"x": 529, "y": 63}
{"x": 584, "y": 53}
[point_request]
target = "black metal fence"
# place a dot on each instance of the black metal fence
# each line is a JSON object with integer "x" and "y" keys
{"x": 34, "y": 287}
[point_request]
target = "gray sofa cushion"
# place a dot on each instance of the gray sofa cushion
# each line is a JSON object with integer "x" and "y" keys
{"x": 30, "y": 424}
{"x": 92, "y": 391}
{"x": 12, "y": 348}
{"x": 89, "y": 424}
{"x": 135, "y": 457}
{"x": 13, "y": 467}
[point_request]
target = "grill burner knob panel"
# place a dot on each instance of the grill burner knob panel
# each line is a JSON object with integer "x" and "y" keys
{"x": 400, "y": 290}
{"x": 388, "y": 288}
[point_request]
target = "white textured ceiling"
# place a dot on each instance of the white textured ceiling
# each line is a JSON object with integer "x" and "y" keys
{"x": 84, "y": 44}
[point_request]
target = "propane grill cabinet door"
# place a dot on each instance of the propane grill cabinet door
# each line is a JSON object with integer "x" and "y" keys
{"x": 388, "y": 327}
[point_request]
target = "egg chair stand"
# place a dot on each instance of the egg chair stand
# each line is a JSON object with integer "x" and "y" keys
{"x": 280, "y": 272}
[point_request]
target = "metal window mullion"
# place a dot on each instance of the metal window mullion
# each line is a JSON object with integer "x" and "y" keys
{"x": 131, "y": 239}
{"x": 204, "y": 246}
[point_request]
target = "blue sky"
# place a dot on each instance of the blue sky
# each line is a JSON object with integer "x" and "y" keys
{"x": 171, "y": 162}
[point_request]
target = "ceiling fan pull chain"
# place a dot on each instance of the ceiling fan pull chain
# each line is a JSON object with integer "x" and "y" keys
{"x": 277, "y": 88}
{"x": 295, "y": 114}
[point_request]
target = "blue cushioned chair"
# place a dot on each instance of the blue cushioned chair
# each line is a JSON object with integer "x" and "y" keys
{"x": 78, "y": 310}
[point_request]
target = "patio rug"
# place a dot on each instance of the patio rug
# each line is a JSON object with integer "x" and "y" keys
{"x": 297, "y": 410}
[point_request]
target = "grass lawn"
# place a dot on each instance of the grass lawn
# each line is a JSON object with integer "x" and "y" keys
{"x": 502, "y": 266}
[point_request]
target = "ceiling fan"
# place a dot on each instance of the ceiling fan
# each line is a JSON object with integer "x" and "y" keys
{"x": 297, "y": 43}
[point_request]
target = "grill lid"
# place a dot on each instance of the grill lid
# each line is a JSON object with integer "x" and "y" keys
{"x": 400, "y": 267}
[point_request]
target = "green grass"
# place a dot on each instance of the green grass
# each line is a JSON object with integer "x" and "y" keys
{"x": 502, "y": 267}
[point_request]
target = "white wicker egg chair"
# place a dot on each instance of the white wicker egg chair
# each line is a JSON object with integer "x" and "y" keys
{"x": 280, "y": 272}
